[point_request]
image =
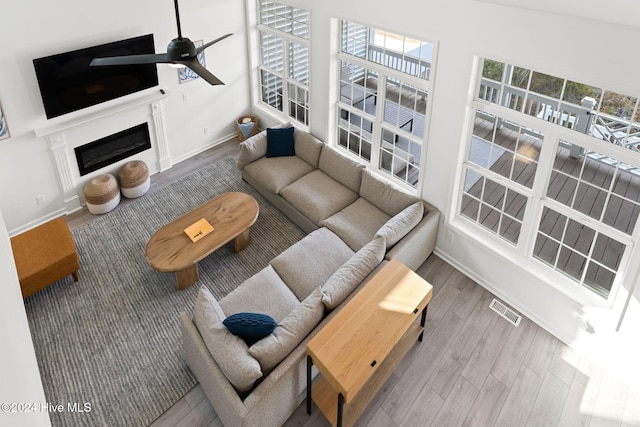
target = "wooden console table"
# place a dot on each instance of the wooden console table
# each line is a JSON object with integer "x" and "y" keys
{"x": 361, "y": 346}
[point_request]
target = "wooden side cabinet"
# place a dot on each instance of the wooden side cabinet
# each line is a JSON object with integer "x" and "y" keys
{"x": 360, "y": 347}
{"x": 44, "y": 255}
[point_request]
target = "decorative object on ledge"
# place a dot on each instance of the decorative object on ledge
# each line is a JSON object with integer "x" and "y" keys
{"x": 102, "y": 194}
{"x": 4, "y": 127}
{"x": 134, "y": 179}
{"x": 198, "y": 230}
{"x": 246, "y": 126}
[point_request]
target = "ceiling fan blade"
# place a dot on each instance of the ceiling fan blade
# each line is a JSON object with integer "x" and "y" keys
{"x": 131, "y": 60}
{"x": 201, "y": 71}
{"x": 203, "y": 47}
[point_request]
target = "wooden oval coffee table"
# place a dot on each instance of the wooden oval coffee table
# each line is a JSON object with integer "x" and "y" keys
{"x": 171, "y": 250}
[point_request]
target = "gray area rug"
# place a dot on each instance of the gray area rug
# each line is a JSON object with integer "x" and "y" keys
{"x": 112, "y": 340}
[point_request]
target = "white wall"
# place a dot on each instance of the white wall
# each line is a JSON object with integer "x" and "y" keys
{"x": 18, "y": 366}
{"x": 586, "y": 50}
{"x": 30, "y": 30}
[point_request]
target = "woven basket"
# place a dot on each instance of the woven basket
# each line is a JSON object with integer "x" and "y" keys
{"x": 133, "y": 174}
{"x": 101, "y": 189}
{"x": 254, "y": 119}
{"x": 102, "y": 194}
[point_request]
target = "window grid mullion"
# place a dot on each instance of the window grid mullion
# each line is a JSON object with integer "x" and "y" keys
{"x": 376, "y": 143}
{"x": 351, "y": 109}
{"x": 263, "y": 67}
{"x": 496, "y": 177}
{"x": 283, "y": 35}
{"x": 286, "y": 108}
{"x": 388, "y": 72}
{"x": 588, "y": 221}
{"x": 535, "y": 205}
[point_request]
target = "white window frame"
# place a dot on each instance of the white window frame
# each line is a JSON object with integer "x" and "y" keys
{"x": 383, "y": 73}
{"x": 258, "y": 67}
{"x": 522, "y": 253}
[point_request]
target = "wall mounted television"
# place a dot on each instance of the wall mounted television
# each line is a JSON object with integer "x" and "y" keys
{"x": 67, "y": 82}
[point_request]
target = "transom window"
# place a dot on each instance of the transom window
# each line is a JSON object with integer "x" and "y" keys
{"x": 283, "y": 34}
{"x": 384, "y": 96}
{"x": 601, "y": 113}
{"x": 552, "y": 169}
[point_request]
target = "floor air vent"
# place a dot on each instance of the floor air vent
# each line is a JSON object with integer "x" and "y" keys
{"x": 505, "y": 312}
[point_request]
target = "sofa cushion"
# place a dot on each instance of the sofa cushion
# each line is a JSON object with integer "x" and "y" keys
{"x": 265, "y": 292}
{"x": 275, "y": 173}
{"x": 230, "y": 352}
{"x": 250, "y": 326}
{"x": 308, "y": 147}
{"x": 255, "y": 147}
{"x": 341, "y": 168}
{"x": 383, "y": 194}
{"x": 317, "y": 196}
{"x": 401, "y": 224}
{"x": 352, "y": 273}
{"x": 308, "y": 263}
{"x": 289, "y": 333}
{"x": 357, "y": 223}
{"x": 280, "y": 142}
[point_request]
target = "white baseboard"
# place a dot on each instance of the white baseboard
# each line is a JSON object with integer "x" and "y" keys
{"x": 36, "y": 222}
{"x": 203, "y": 148}
{"x": 511, "y": 300}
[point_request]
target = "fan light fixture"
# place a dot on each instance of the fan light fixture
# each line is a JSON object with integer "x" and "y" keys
{"x": 181, "y": 52}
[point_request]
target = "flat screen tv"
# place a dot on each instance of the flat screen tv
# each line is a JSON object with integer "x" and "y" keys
{"x": 67, "y": 82}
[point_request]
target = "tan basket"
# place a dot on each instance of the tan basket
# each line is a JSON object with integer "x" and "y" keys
{"x": 101, "y": 189}
{"x": 133, "y": 174}
{"x": 254, "y": 119}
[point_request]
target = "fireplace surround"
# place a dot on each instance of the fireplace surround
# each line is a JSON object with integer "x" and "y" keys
{"x": 65, "y": 133}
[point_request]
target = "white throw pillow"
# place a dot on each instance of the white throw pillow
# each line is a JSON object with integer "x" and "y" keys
{"x": 294, "y": 328}
{"x": 352, "y": 273}
{"x": 401, "y": 224}
{"x": 230, "y": 352}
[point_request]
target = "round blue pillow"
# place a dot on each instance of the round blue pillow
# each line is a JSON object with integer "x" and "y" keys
{"x": 250, "y": 326}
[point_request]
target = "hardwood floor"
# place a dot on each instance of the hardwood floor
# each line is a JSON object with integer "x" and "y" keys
{"x": 472, "y": 369}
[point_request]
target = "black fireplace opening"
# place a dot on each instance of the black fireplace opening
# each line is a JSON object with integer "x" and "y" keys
{"x": 113, "y": 148}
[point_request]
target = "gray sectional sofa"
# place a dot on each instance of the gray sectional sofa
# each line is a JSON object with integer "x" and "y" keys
{"x": 355, "y": 220}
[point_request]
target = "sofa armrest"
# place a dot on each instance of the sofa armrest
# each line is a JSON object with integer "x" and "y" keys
{"x": 216, "y": 386}
{"x": 255, "y": 147}
{"x": 414, "y": 248}
{"x": 269, "y": 404}
{"x": 252, "y": 149}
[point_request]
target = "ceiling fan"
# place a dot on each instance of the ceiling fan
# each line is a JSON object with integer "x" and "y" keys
{"x": 181, "y": 51}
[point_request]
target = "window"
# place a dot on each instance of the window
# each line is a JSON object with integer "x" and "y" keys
{"x": 502, "y": 161}
{"x": 384, "y": 96}
{"x": 552, "y": 169}
{"x": 283, "y": 33}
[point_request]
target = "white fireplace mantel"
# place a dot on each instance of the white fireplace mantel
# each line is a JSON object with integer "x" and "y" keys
{"x": 59, "y": 134}
{"x": 99, "y": 111}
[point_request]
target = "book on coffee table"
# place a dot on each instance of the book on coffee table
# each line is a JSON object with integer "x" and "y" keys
{"x": 198, "y": 230}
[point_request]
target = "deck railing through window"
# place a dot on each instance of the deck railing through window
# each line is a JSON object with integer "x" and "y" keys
{"x": 582, "y": 118}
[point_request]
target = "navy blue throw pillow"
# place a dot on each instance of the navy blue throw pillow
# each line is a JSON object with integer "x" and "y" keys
{"x": 280, "y": 142}
{"x": 250, "y": 326}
